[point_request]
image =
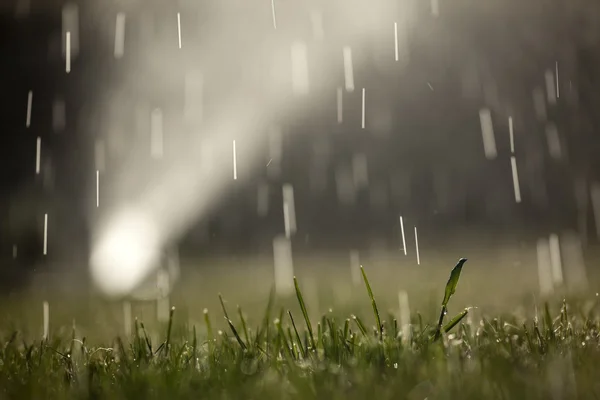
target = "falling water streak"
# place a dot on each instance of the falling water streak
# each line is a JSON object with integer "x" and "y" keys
{"x": 544, "y": 267}
{"x": 362, "y": 124}
{"x": 348, "y": 69}
{"x": 340, "y": 106}
{"x": 38, "y": 154}
{"x": 68, "y": 50}
{"x": 127, "y": 318}
{"x": 284, "y": 265}
{"x": 179, "y": 28}
{"x": 417, "y": 247}
{"x": 29, "y": 104}
{"x": 70, "y": 26}
{"x": 300, "y": 81}
{"x": 15, "y": 251}
{"x": 557, "y": 86}
{"x": 550, "y": 88}
{"x": 404, "y": 315}
{"x": 234, "y": 162}
{"x": 515, "y": 175}
{"x": 97, "y": 188}
{"x": 511, "y": 134}
{"x": 396, "y": 40}
{"x": 120, "y": 35}
{"x": 45, "y": 234}
{"x": 555, "y": 260}
{"x": 46, "y": 316}
{"x": 273, "y": 13}
{"x": 435, "y": 8}
{"x": 487, "y": 133}
{"x": 289, "y": 210}
{"x": 403, "y": 237}
{"x": 286, "y": 220}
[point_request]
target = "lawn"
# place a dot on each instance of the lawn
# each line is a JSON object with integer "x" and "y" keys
{"x": 553, "y": 354}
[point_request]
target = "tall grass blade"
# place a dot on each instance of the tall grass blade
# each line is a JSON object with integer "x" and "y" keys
{"x": 448, "y": 292}
{"x": 230, "y": 323}
{"x": 194, "y": 345}
{"x": 346, "y": 329}
{"x": 223, "y": 306}
{"x": 169, "y": 329}
{"x": 302, "y": 350}
{"x": 244, "y": 327}
{"x": 235, "y": 333}
{"x": 373, "y": 303}
{"x": 209, "y": 330}
{"x": 453, "y": 281}
{"x": 147, "y": 339}
{"x": 304, "y": 313}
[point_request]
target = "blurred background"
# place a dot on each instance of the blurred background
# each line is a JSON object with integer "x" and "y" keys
{"x": 266, "y": 139}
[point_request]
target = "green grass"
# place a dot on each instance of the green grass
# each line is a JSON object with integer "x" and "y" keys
{"x": 289, "y": 356}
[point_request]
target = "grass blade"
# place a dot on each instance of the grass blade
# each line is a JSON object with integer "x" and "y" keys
{"x": 169, "y": 328}
{"x": 448, "y": 292}
{"x": 302, "y": 350}
{"x": 304, "y": 313}
{"x": 235, "y": 333}
{"x": 453, "y": 281}
{"x": 346, "y": 328}
{"x": 208, "y": 326}
{"x": 373, "y": 303}
{"x": 282, "y": 338}
{"x": 223, "y": 306}
{"x": 230, "y": 323}
{"x": 361, "y": 327}
{"x": 454, "y": 321}
{"x": 194, "y": 345}
{"x": 244, "y": 327}
{"x": 147, "y": 339}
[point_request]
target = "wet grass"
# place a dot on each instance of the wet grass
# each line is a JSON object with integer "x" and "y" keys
{"x": 286, "y": 355}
